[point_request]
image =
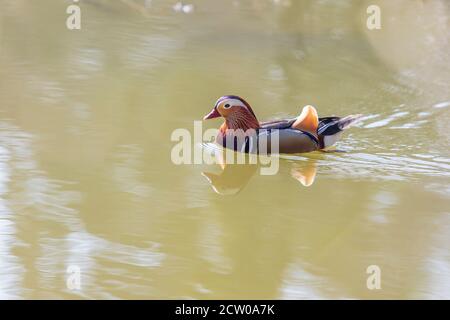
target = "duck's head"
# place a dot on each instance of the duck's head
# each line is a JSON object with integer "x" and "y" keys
{"x": 236, "y": 111}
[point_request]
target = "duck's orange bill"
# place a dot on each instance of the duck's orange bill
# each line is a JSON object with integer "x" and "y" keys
{"x": 213, "y": 114}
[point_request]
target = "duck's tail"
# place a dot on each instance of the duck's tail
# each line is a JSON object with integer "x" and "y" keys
{"x": 330, "y": 128}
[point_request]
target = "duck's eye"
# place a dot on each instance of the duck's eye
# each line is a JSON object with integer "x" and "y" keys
{"x": 226, "y": 106}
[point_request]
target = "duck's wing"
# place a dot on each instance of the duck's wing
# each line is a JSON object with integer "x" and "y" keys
{"x": 308, "y": 120}
{"x": 277, "y": 124}
{"x": 287, "y": 123}
{"x": 330, "y": 128}
{"x": 324, "y": 122}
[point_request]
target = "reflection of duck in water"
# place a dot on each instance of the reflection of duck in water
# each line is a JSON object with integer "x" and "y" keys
{"x": 305, "y": 172}
{"x": 305, "y": 133}
{"x": 234, "y": 177}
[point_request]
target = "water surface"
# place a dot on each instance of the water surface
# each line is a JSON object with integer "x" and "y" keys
{"x": 86, "y": 177}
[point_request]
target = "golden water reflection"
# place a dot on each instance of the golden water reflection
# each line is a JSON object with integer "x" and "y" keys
{"x": 86, "y": 177}
{"x": 232, "y": 178}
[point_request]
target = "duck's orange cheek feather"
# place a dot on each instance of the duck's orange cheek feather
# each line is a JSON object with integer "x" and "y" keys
{"x": 226, "y": 112}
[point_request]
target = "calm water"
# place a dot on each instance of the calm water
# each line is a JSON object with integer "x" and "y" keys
{"x": 86, "y": 177}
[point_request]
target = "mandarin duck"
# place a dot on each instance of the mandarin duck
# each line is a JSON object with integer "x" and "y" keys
{"x": 305, "y": 133}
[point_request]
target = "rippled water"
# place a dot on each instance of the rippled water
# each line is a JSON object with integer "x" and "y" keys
{"x": 86, "y": 177}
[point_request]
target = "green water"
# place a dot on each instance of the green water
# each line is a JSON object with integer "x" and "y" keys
{"x": 86, "y": 177}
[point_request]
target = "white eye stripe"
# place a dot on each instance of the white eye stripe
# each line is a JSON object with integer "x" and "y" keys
{"x": 233, "y": 102}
